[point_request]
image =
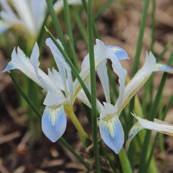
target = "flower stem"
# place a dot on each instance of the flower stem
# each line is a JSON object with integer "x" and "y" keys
{"x": 125, "y": 164}
{"x": 70, "y": 113}
{"x": 93, "y": 86}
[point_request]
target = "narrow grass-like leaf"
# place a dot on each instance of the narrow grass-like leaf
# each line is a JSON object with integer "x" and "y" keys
{"x": 140, "y": 37}
{"x": 55, "y": 21}
{"x": 80, "y": 26}
{"x": 93, "y": 87}
{"x": 28, "y": 101}
{"x": 125, "y": 164}
{"x": 70, "y": 32}
{"x": 153, "y": 12}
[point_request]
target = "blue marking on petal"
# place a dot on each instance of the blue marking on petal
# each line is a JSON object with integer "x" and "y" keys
{"x": 9, "y": 67}
{"x": 114, "y": 141}
{"x": 119, "y": 52}
{"x": 54, "y": 131}
{"x": 165, "y": 68}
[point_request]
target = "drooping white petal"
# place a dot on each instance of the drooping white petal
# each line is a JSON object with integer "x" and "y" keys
{"x": 156, "y": 125}
{"x": 119, "y": 53}
{"x": 54, "y": 122}
{"x": 112, "y": 134}
{"x": 103, "y": 52}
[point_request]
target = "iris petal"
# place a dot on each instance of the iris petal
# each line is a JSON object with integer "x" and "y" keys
{"x": 113, "y": 136}
{"x": 104, "y": 79}
{"x": 54, "y": 123}
{"x": 119, "y": 52}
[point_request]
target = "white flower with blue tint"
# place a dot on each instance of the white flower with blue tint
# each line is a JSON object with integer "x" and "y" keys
{"x": 111, "y": 130}
{"x": 58, "y": 85}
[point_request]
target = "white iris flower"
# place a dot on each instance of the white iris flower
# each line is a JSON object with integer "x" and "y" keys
{"x": 111, "y": 130}
{"x": 57, "y": 84}
{"x": 27, "y": 14}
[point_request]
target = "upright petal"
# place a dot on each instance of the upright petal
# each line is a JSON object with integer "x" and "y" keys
{"x": 24, "y": 11}
{"x": 59, "y": 58}
{"x": 21, "y": 62}
{"x": 35, "y": 56}
{"x": 138, "y": 80}
{"x": 102, "y": 53}
{"x": 54, "y": 122}
{"x": 104, "y": 79}
{"x": 56, "y": 78}
{"x": 54, "y": 99}
{"x": 112, "y": 134}
{"x": 7, "y": 14}
{"x": 38, "y": 9}
{"x": 63, "y": 67}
